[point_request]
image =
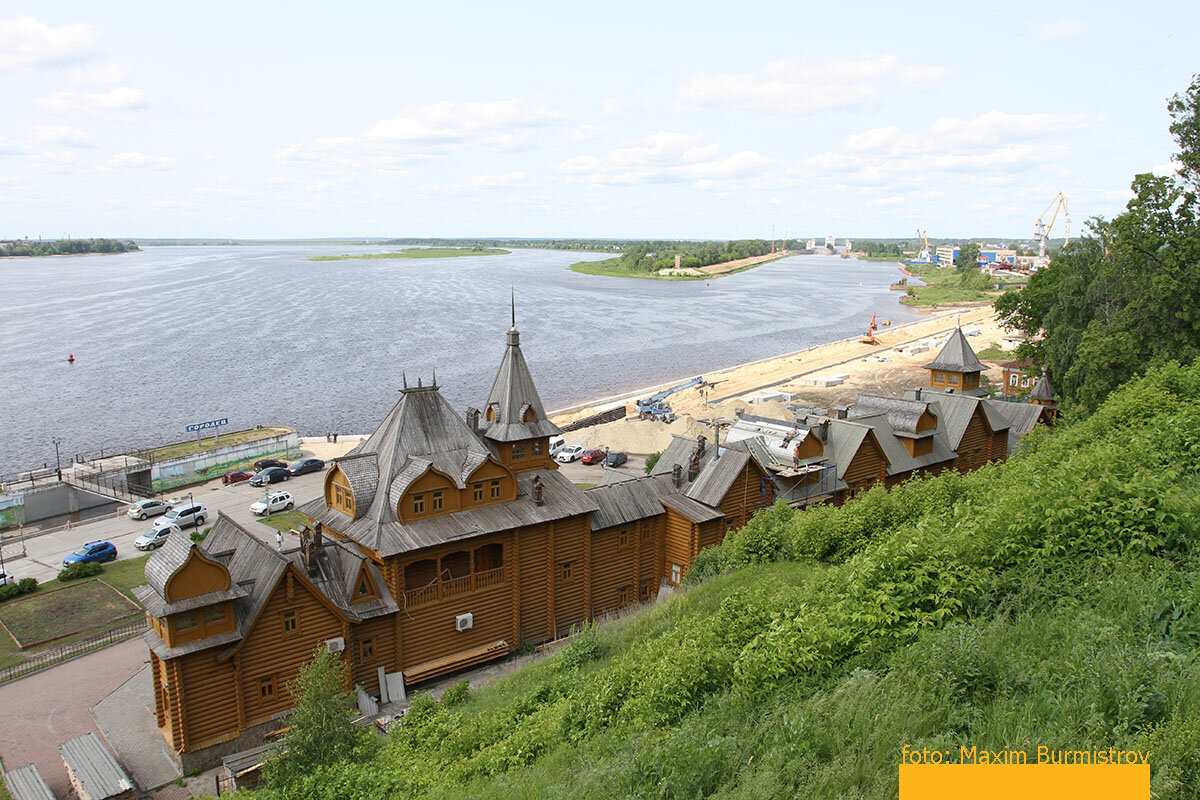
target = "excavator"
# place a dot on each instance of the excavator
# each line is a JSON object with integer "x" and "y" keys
{"x": 870, "y": 337}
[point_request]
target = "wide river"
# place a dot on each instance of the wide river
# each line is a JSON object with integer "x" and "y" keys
{"x": 261, "y": 335}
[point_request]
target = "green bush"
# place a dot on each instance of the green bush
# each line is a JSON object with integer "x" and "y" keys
{"x": 83, "y": 569}
{"x": 583, "y": 648}
{"x": 457, "y": 694}
{"x": 651, "y": 460}
{"x": 21, "y": 587}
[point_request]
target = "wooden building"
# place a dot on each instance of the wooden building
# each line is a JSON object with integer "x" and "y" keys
{"x": 440, "y": 542}
{"x": 956, "y": 367}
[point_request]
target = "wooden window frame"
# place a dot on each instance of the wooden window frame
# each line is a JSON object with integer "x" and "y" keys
{"x": 290, "y": 616}
{"x": 192, "y": 621}
{"x": 535, "y": 448}
{"x": 623, "y": 537}
{"x": 477, "y": 492}
{"x": 518, "y": 451}
{"x": 495, "y": 487}
{"x": 366, "y": 649}
{"x": 676, "y": 574}
{"x": 622, "y": 596}
{"x": 211, "y": 619}
{"x": 418, "y": 503}
{"x": 566, "y": 570}
{"x": 266, "y": 688}
{"x": 435, "y": 501}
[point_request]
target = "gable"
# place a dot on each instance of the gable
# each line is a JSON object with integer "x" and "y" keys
{"x": 198, "y": 575}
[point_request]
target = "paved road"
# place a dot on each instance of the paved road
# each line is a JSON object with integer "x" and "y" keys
{"x": 45, "y": 553}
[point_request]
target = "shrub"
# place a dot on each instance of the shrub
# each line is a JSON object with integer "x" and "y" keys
{"x": 24, "y": 586}
{"x": 198, "y": 536}
{"x": 651, "y": 460}
{"x": 85, "y": 569}
{"x": 457, "y": 694}
{"x": 583, "y": 648}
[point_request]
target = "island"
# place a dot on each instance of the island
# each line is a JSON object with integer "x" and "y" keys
{"x": 420, "y": 252}
{"x": 64, "y": 247}
{"x": 682, "y": 261}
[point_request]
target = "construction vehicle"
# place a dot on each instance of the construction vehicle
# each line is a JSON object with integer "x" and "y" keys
{"x": 870, "y": 337}
{"x": 1041, "y": 232}
{"x": 655, "y": 407}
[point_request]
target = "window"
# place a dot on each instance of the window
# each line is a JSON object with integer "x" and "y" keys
{"x": 645, "y": 533}
{"x": 565, "y": 568}
{"x": 676, "y": 574}
{"x": 289, "y": 623}
{"x": 952, "y": 378}
{"x": 266, "y": 688}
{"x": 495, "y": 488}
{"x": 623, "y": 538}
{"x": 623, "y": 596}
{"x": 477, "y": 492}
{"x": 364, "y": 587}
{"x": 518, "y": 451}
{"x": 185, "y": 622}
{"x": 645, "y": 590}
{"x": 366, "y": 649}
{"x": 537, "y": 448}
{"x": 215, "y": 615}
{"x": 437, "y": 501}
{"x": 1013, "y": 378}
{"x": 419, "y": 503}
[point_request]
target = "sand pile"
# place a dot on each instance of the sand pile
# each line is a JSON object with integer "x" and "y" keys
{"x": 640, "y": 437}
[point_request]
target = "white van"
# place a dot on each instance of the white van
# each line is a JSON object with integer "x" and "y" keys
{"x": 557, "y": 443}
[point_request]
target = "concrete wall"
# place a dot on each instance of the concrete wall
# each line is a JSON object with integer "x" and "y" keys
{"x": 212, "y": 461}
{"x": 59, "y": 499}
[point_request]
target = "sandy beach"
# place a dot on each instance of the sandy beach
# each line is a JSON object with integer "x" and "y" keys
{"x": 867, "y": 369}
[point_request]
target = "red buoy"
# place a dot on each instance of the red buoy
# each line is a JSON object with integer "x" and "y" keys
{"x": 70, "y": 358}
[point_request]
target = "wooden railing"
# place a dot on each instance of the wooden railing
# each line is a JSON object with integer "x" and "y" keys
{"x": 454, "y": 587}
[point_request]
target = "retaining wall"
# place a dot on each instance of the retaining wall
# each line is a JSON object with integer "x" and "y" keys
{"x": 60, "y": 499}
{"x": 212, "y": 462}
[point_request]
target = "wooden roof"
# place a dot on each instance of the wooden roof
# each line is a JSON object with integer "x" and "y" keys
{"x": 715, "y": 479}
{"x": 957, "y": 356}
{"x": 512, "y": 395}
{"x": 1042, "y": 390}
{"x": 902, "y": 415}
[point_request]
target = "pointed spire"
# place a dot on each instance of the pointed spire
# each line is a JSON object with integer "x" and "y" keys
{"x": 404, "y": 377}
{"x": 514, "y": 308}
{"x": 435, "y": 377}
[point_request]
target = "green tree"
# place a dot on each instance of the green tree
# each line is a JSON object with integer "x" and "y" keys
{"x": 968, "y": 258}
{"x": 651, "y": 460}
{"x": 321, "y": 732}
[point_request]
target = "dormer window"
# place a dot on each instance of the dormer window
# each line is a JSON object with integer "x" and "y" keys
{"x": 495, "y": 488}
{"x": 418, "y": 503}
{"x": 493, "y": 411}
{"x": 436, "y": 501}
{"x": 529, "y": 415}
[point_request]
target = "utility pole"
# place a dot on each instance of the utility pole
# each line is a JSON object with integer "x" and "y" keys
{"x": 57, "y": 463}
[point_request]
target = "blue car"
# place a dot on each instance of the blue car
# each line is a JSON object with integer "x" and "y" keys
{"x": 92, "y": 551}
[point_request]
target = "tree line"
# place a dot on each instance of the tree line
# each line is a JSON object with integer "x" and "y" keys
{"x": 65, "y": 247}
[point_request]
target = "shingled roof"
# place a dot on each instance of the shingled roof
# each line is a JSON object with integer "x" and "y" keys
{"x": 903, "y": 415}
{"x": 1042, "y": 390}
{"x": 513, "y": 397}
{"x": 957, "y": 356}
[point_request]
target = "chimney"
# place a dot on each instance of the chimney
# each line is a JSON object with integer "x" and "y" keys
{"x": 677, "y": 475}
{"x": 700, "y": 440}
{"x": 843, "y": 412}
{"x": 537, "y": 490}
{"x": 694, "y": 465}
{"x": 318, "y": 535}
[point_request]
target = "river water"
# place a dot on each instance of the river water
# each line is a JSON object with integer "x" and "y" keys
{"x": 261, "y": 335}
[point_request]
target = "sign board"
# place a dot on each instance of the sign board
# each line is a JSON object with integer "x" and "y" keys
{"x": 203, "y": 426}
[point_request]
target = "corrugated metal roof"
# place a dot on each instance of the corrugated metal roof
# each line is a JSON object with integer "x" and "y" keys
{"x": 26, "y": 783}
{"x": 1022, "y": 417}
{"x": 512, "y": 394}
{"x": 957, "y": 355}
{"x": 93, "y": 768}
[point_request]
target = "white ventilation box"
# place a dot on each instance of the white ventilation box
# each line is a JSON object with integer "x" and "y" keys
{"x": 464, "y": 622}
{"x": 335, "y": 645}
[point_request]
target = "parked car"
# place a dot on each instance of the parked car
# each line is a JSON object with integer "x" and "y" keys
{"x": 145, "y": 509}
{"x": 280, "y": 501}
{"x": 270, "y": 475}
{"x": 235, "y": 477}
{"x": 182, "y": 516}
{"x": 592, "y": 456}
{"x": 92, "y": 551}
{"x": 306, "y": 465}
{"x": 569, "y": 453}
{"x": 615, "y": 459}
{"x": 267, "y": 463}
{"x": 557, "y": 443}
{"x": 156, "y": 537}
{"x": 6, "y": 578}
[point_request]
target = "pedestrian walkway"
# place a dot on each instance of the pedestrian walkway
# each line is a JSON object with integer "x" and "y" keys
{"x": 126, "y": 718}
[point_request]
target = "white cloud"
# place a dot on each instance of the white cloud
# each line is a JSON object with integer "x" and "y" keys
{"x": 114, "y": 101}
{"x": 27, "y": 42}
{"x": 61, "y": 134}
{"x": 665, "y": 157}
{"x": 585, "y": 133}
{"x": 612, "y": 107}
{"x": 140, "y": 161}
{"x": 792, "y": 87}
{"x": 100, "y": 74}
{"x": 507, "y": 179}
{"x": 1060, "y": 28}
{"x": 420, "y": 132}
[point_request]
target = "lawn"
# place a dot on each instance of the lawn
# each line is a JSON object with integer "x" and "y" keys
{"x": 208, "y": 443}
{"x": 285, "y": 521}
{"x": 420, "y": 252}
{"x": 73, "y": 608}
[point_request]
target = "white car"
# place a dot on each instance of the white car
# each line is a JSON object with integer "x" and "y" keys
{"x": 156, "y": 537}
{"x": 6, "y": 578}
{"x": 182, "y": 516}
{"x": 557, "y": 443}
{"x": 570, "y": 453}
{"x": 280, "y": 501}
{"x": 145, "y": 509}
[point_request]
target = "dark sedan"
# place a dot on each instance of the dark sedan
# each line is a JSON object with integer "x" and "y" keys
{"x": 270, "y": 475}
{"x": 306, "y": 465}
{"x": 592, "y": 456}
{"x": 267, "y": 463}
{"x": 615, "y": 459}
{"x": 235, "y": 477}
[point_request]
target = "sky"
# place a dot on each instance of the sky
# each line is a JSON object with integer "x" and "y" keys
{"x": 617, "y": 120}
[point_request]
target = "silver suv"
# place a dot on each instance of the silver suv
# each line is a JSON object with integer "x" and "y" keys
{"x": 183, "y": 516}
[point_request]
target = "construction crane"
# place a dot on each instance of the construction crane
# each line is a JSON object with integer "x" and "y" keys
{"x": 655, "y": 407}
{"x": 926, "y": 254}
{"x": 1041, "y": 231}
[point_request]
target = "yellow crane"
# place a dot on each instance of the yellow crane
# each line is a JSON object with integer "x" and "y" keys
{"x": 926, "y": 254}
{"x": 1041, "y": 231}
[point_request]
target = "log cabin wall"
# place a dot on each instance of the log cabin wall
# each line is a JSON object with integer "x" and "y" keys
{"x": 975, "y": 447}
{"x": 867, "y": 467}
{"x": 210, "y": 707}
{"x": 535, "y": 546}
{"x": 679, "y": 536}
{"x": 617, "y": 566}
{"x": 571, "y": 590}
{"x": 751, "y": 490}
{"x": 372, "y": 646}
{"x": 274, "y": 649}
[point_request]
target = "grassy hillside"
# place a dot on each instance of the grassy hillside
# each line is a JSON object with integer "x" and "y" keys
{"x": 1053, "y": 600}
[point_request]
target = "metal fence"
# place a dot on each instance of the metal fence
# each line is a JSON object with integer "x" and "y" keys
{"x": 56, "y": 655}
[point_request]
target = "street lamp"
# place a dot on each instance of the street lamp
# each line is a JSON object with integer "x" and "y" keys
{"x": 57, "y": 463}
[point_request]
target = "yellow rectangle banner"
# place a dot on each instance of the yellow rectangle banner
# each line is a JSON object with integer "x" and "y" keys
{"x": 1025, "y": 781}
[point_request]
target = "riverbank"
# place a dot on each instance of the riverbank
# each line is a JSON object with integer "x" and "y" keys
{"x": 418, "y": 252}
{"x": 861, "y": 368}
{"x": 610, "y": 267}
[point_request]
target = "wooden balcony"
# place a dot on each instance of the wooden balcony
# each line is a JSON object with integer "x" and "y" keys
{"x": 453, "y": 588}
